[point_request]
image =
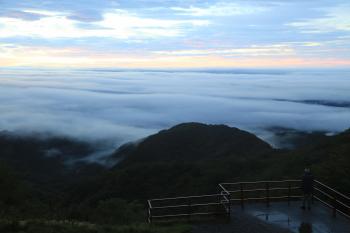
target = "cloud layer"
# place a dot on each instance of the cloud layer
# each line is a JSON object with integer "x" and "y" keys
{"x": 173, "y": 33}
{"x": 127, "y": 105}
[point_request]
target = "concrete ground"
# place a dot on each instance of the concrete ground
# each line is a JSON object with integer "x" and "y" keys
{"x": 292, "y": 217}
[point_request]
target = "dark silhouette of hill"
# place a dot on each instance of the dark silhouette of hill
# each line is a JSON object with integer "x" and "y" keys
{"x": 47, "y": 162}
{"x": 191, "y": 142}
{"x": 36, "y": 172}
{"x": 287, "y": 138}
{"x": 189, "y": 158}
{"x": 329, "y": 159}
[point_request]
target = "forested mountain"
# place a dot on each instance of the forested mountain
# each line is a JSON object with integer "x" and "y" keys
{"x": 190, "y": 142}
{"x": 36, "y": 181}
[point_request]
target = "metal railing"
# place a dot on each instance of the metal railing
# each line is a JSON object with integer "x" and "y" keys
{"x": 262, "y": 191}
{"x": 190, "y": 206}
{"x": 338, "y": 202}
{"x": 239, "y": 193}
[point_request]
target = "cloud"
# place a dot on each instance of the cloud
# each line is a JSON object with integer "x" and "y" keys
{"x": 220, "y": 9}
{"x": 130, "y": 25}
{"x": 336, "y": 19}
{"x": 254, "y": 56}
{"x": 118, "y": 24}
{"x": 23, "y": 15}
{"x": 123, "y": 106}
{"x": 86, "y": 16}
{"x": 154, "y": 33}
{"x": 84, "y": 10}
{"x": 254, "y": 50}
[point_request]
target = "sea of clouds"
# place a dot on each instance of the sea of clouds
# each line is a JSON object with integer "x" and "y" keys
{"x": 124, "y": 105}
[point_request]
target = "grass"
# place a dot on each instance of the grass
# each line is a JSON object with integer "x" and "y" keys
{"x": 39, "y": 226}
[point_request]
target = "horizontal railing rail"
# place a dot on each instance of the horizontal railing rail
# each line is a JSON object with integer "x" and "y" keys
{"x": 337, "y": 201}
{"x": 267, "y": 190}
{"x": 242, "y": 192}
{"x": 210, "y": 204}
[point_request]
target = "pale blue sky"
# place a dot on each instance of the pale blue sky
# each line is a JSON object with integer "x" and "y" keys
{"x": 175, "y": 34}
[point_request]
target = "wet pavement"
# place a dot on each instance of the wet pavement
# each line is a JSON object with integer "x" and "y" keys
{"x": 319, "y": 219}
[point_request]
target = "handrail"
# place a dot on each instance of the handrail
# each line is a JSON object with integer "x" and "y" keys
{"x": 337, "y": 201}
{"x": 333, "y": 190}
{"x": 189, "y": 203}
{"x": 182, "y": 215}
{"x": 263, "y": 189}
{"x": 223, "y": 189}
{"x": 273, "y": 189}
{"x": 323, "y": 193}
{"x": 336, "y": 198}
{"x": 181, "y": 206}
{"x": 186, "y": 197}
{"x": 343, "y": 204}
{"x": 263, "y": 181}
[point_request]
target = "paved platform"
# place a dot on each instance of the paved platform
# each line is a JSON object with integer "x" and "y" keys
{"x": 292, "y": 217}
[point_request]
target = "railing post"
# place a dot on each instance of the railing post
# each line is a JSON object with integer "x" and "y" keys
{"x": 218, "y": 201}
{"x": 149, "y": 212}
{"x": 229, "y": 205}
{"x": 267, "y": 187}
{"x": 289, "y": 192}
{"x": 312, "y": 193}
{"x": 149, "y": 215}
{"x": 189, "y": 210}
{"x": 242, "y": 195}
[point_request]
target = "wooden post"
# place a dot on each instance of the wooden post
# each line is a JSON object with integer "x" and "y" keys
{"x": 267, "y": 187}
{"x": 242, "y": 195}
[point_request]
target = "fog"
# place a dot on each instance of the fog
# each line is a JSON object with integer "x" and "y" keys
{"x": 121, "y": 105}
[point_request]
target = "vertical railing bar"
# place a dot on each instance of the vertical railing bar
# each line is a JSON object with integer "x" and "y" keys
{"x": 150, "y": 215}
{"x": 229, "y": 205}
{"x": 289, "y": 192}
{"x": 267, "y": 187}
{"x": 189, "y": 209}
{"x": 242, "y": 195}
{"x": 149, "y": 211}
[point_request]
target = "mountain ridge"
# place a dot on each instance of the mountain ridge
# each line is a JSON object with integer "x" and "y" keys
{"x": 193, "y": 141}
{"x": 186, "y": 159}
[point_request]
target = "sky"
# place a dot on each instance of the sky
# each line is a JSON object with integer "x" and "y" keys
{"x": 174, "y": 33}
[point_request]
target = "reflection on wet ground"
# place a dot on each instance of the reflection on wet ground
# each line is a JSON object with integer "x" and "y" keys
{"x": 317, "y": 220}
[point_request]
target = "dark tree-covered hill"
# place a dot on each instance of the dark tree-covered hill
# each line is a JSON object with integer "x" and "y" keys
{"x": 190, "y": 142}
{"x": 189, "y": 158}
